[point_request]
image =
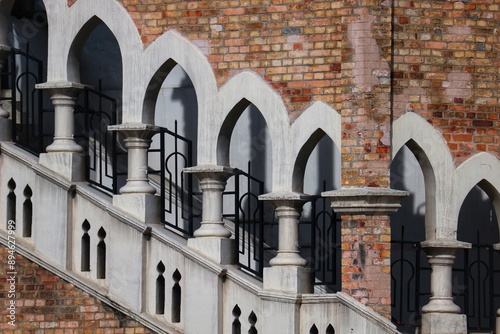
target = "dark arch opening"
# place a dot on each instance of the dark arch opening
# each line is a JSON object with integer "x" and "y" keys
{"x": 11, "y": 205}
{"x": 160, "y": 289}
{"x": 27, "y": 212}
{"x": 176, "y": 297}
{"x": 101, "y": 254}
{"x": 476, "y": 270}
{"x": 85, "y": 253}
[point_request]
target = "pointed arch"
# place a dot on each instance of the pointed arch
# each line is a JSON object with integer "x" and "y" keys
{"x": 311, "y": 126}
{"x": 80, "y": 17}
{"x": 431, "y": 150}
{"x": 233, "y": 98}
{"x": 159, "y": 58}
{"x": 482, "y": 169}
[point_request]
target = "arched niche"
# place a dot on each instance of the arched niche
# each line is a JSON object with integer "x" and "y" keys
{"x": 171, "y": 97}
{"x": 429, "y": 181}
{"x": 95, "y": 59}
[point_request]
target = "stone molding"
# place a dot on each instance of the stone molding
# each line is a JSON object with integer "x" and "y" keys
{"x": 365, "y": 201}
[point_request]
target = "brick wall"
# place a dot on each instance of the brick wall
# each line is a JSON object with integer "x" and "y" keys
{"x": 337, "y": 52}
{"x": 46, "y": 303}
{"x": 446, "y": 58}
{"x": 366, "y": 261}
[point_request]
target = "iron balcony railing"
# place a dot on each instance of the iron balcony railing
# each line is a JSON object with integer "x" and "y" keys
{"x": 32, "y": 122}
{"x": 476, "y": 273}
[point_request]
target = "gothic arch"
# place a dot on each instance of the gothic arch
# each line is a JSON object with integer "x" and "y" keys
{"x": 482, "y": 169}
{"x": 233, "y": 98}
{"x": 156, "y": 62}
{"x": 79, "y": 19}
{"x": 435, "y": 159}
{"x": 314, "y": 123}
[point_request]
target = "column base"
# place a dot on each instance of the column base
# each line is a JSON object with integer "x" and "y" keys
{"x": 70, "y": 165}
{"x": 145, "y": 207}
{"x": 288, "y": 279}
{"x": 219, "y": 250}
{"x": 441, "y": 305}
{"x": 443, "y": 323}
{"x": 5, "y": 129}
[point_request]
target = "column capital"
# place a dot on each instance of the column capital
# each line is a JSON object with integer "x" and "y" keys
{"x": 365, "y": 201}
{"x": 135, "y": 130}
{"x": 286, "y": 199}
{"x": 435, "y": 247}
{"x": 64, "y": 88}
{"x": 213, "y": 172}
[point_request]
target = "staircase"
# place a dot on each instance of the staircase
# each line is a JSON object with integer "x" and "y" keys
{"x": 146, "y": 265}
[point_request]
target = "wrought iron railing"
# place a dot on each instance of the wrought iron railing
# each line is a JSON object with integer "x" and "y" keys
{"x": 247, "y": 213}
{"x": 326, "y": 244}
{"x": 476, "y": 274}
{"x": 177, "y": 189}
{"x": 101, "y": 147}
{"x": 409, "y": 272}
{"x": 29, "y": 129}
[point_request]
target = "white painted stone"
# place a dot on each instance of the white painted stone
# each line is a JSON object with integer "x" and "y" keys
{"x": 288, "y": 279}
{"x": 365, "y": 200}
{"x": 145, "y": 207}
{"x": 50, "y": 222}
{"x": 219, "y": 250}
{"x": 443, "y": 323}
{"x": 69, "y": 165}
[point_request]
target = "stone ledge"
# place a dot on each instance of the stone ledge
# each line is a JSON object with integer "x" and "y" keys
{"x": 380, "y": 201}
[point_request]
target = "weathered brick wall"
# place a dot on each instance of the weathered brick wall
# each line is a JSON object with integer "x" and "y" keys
{"x": 46, "y": 303}
{"x": 366, "y": 260}
{"x": 337, "y": 52}
{"x": 446, "y": 58}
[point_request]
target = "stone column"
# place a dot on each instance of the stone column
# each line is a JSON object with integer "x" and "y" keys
{"x": 64, "y": 156}
{"x": 5, "y": 122}
{"x": 288, "y": 272}
{"x": 441, "y": 315}
{"x": 212, "y": 239}
{"x": 137, "y": 197}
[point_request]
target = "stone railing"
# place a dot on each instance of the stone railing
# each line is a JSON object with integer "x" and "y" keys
{"x": 150, "y": 273}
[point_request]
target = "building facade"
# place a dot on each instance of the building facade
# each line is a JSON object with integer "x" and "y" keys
{"x": 254, "y": 166}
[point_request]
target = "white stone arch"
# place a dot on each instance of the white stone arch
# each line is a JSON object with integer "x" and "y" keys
{"x": 233, "y": 98}
{"x": 483, "y": 170}
{"x": 71, "y": 25}
{"x": 315, "y": 122}
{"x": 431, "y": 150}
{"x": 157, "y": 61}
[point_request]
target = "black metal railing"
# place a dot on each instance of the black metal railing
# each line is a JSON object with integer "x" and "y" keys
{"x": 325, "y": 230}
{"x": 409, "y": 274}
{"x": 248, "y": 216}
{"x": 475, "y": 273}
{"x": 101, "y": 147}
{"x": 476, "y": 289}
{"x": 176, "y": 188}
{"x": 29, "y": 130}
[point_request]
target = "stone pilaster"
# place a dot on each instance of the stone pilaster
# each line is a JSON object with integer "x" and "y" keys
{"x": 288, "y": 272}
{"x": 366, "y": 243}
{"x": 64, "y": 156}
{"x": 212, "y": 238}
{"x": 5, "y": 122}
{"x": 137, "y": 196}
{"x": 441, "y": 315}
